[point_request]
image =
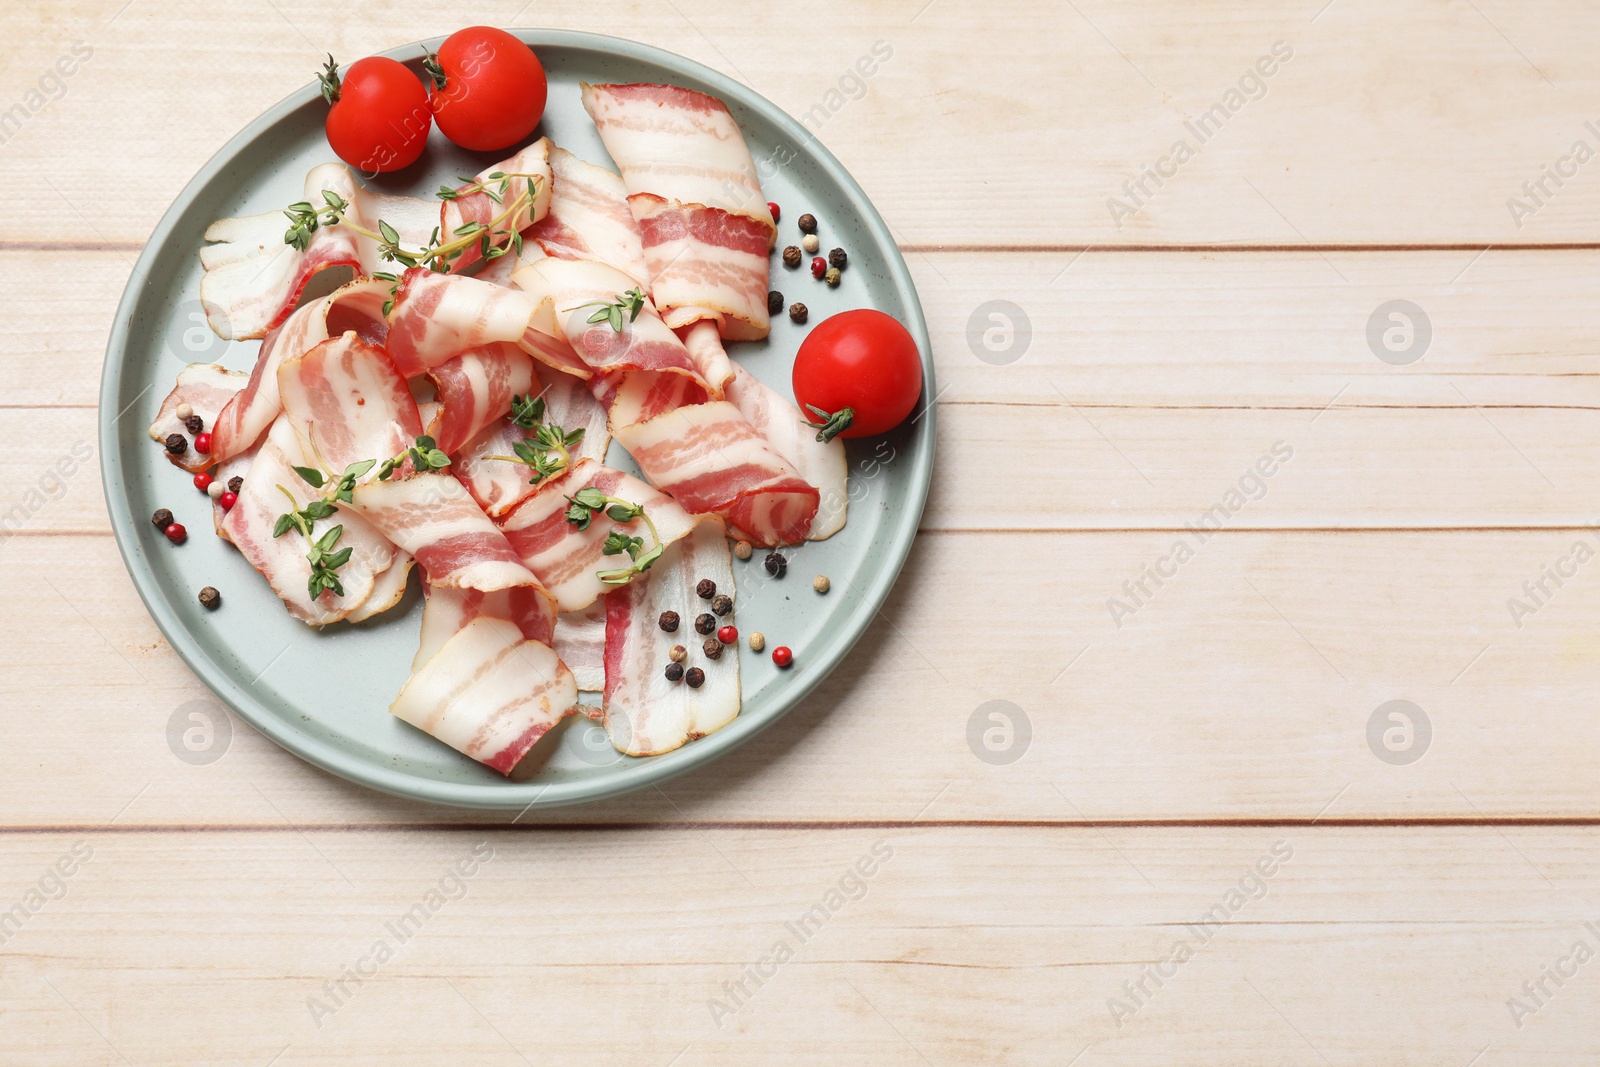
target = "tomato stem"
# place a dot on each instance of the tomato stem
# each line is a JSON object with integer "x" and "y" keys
{"x": 833, "y": 423}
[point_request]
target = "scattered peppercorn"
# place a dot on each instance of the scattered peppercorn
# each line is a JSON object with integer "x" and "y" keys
{"x": 210, "y": 599}
{"x": 202, "y": 481}
{"x": 162, "y": 518}
{"x": 776, "y": 564}
{"x": 721, "y": 604}
{"x": 176, "y": 533}
{"x": 728, "y": 634}
{"x": 674, "y": 671}
{"x": 235, "y": 483}
{"x": 772, "y": 207}
{"x": 678, "y": 653}
{"x": 837, "y": 258}
{"x": 797, "y": 313}
{"x": 228, "y": 500}
{"x": 791, "y": 256}
{"x": 202, "y": 443}
{"x": 819, "y": 267}
{"x": 695, "y": 677}
{"x": 742, "y": 549}
{"x": 758, "y": 641}
{"x": 706, "y": 589}
{"x": 712, "y": 648}
{"x": 177, "y": 444}
{"x": 810, "y": 243}
{"x": 807, "y": 223}
{"x": 821, "y": 584}
{"x": 705, "y": 624}
{"x": 669, "y": 621}
{"x": 183, "y": 411}
{"x": 215, "y": 491}
{"x": 782, "y": 656}
{"x": 194, "y": 424}
{"x": 832, "y": 277}
{"x": 774, "y": 302}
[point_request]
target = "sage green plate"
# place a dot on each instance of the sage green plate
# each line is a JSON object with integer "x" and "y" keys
{"x": 324, "y": 695}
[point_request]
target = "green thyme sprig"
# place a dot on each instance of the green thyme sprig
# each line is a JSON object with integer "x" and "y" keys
{"x": 629, "y": 303}
{"x": 547, "y": 450}
{"x": 587, "y": 503}
{"x": 324, "y": 559}
{"x": 424, "y": 455}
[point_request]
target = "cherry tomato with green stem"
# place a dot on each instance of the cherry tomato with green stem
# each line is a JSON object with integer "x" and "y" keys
{"x": 858, "y": 374}
{"x": 488, "y": 88}
{"x": 379, "y": 117}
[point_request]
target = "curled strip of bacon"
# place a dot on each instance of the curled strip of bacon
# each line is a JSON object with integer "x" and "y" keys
{"x": 645, "y": 714}
{"x": 567, "y": 559}
{"x": 822, "y": 464}
{"x": 680, "y": 145}
{"x": 475, "y": 389}
{"x": 282, "y": 560}
{"x": 499, "y": 486}
{"x": 348, "y": 401}
{"x": 388, "y": 589}
{"x": 254, "y": 279}
{"x": 432, "y": 517}
{"x": 706, "y": 263}
{"x": 488, "y": 692}
{"x": 436, "y": 317}
{"x": 711, "y": 459}
{"x": 590, "y": 219}
{"x": 484, "y": 209}
{"x": 358, "y": 306}
{"x": 581, "y": 644}
{"x": 205, "y": 387}
{"x": 448, "y": 610}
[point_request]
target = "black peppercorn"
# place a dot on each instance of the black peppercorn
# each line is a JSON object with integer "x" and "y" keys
{"x": 177, "y": 444}
{"x": 713, "y": 648}
{"x": 837, "y": 258}
{"x": 797, "y": 312}
{"x": 807, "y": 223}
{"x": 776, "y": 564}
{"x": 669, "y": 621}
{"x": 791, "y": 256}
{"x": 161, "y": 519}
{"x": 706, "y": 589}
{"x": 235, "y": 483}
{"x": 194, "y": 424}
{"x": 721, "y": 604}
{"x": 210, "y": 599}
{"x": 774, "y": 302}
{"x": 704, "y": 624}
{"x": 674, "y": 671}
{"x": 695, "y": 677}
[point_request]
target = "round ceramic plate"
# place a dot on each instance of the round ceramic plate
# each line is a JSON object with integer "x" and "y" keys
{"x": 324, "y": 695}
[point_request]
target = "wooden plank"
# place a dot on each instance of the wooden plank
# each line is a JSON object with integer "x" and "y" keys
{"x": 967, "y": 134}
{"x": 1242, "y": 688}
{"x": 959, "y": 946}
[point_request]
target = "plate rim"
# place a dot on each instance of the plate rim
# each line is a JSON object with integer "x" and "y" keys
{"x": 624, "y": 777}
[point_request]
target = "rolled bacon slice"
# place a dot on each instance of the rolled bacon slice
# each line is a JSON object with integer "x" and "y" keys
{"x": 680, "y": 145}
{"x": 345, "y": 397}
{"x": 357, "y": 306}
{"x": 432, "y": 517}
{"x": 481, "y": 208}
{"x": 436, "y": 317}
{"x": 706, "y": 263}
{"x": 254, "y": 279}
{"x": 590, "y": 218}
{"x": 784, "y": 428}
{"x": 711, "y": 459}
{"x": 446, "y": 611}
{"x": 581, "y": 644}
{"x": 489, "y": 693}
{"x": 205, "y": 387}
{"x": 567, "y": 559}
{"x": 645, "y": 713}
{"x": 474, "y": 391}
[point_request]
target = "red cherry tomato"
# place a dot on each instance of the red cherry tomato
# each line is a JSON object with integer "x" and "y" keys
{"x": 488, "y": 89}
{"x": 380, "y": 118}
{"x": 861, "y": 360}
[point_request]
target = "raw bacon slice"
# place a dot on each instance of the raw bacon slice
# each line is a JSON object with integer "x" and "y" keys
{"x": 484, "y": 209}
{"x": 499, "y": 270}
{"x": 705, "y": 348}
{"x": 528, "y": 607}
{"x": 358, "y": 306}
{"x": 432, "y": 517}
{"x": 206, "y": 388}
{"x": 489, "y": 693}
{"x": 821, "y": 464}
{"x": 635, "y": 397}
{"x": 388, "y": 589}
{"x": 678, "y": 144}
{"x": 590, "y": 219}
{"x": 706, "y": 263}
{"x": 475, "y": 389}
{"x": 581, "y": 644}
{"x": 567, "y": 559}
{"x": 436, "y": 317}
{"x": 710, "y": 458}
{"x": 348, "y": 401}
{"x": 253, "y": 279}
{"x": 645, "y": 714}
{"x": 282, "y": 560}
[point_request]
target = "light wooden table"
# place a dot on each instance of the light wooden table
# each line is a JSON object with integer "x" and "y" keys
{"x": 1044, "y": 910}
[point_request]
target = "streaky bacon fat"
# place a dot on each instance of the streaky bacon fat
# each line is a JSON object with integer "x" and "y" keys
{"x": 475, "y": 389}
{"x": 821, "y": 464}
{"x": 348, "y": 401}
